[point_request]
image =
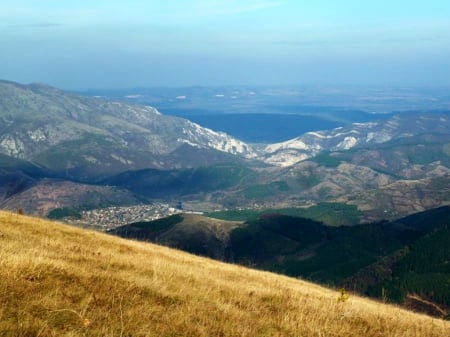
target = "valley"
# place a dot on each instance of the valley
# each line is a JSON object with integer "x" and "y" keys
{"x": 60, "y": 150}
{"x": 113, "y": 153}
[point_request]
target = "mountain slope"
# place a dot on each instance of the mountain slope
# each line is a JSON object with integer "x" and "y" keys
{"x": 192, "y": 233}
{"x": 152, "y": 183}
{"x": 416, "y": 275}
{"x": 84, "y": 137}
{"x": 81, "y": 283}
{"x": 46, "y": 195}
{"x": 344, "y": 255}
{"x": 390, "y": 260}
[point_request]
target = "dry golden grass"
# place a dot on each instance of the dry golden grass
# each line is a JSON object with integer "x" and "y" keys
{"x": 57, "y": 280}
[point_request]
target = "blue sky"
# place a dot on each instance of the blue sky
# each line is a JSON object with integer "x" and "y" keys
{"x": 121, "y": 44}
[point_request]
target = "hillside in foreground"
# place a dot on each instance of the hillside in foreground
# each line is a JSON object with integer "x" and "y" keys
{"x": 63, "y": 281}
{"x": 403, "y": 261}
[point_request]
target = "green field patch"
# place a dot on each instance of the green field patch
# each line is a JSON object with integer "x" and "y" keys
{"x": 332, "y": 214}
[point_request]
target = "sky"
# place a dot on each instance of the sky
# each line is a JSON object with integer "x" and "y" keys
{"x": 84, "y": 44}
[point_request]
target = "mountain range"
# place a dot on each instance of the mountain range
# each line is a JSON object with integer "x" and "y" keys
{"x": 116, "y": 153}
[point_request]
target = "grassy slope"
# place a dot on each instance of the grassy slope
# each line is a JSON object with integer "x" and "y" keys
{"x": 62, "y": 281}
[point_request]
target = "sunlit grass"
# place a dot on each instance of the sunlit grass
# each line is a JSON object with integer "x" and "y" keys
{"x": 57, "y": 280}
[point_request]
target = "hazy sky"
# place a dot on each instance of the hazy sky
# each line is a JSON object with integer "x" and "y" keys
{"x": 115, "y": 44}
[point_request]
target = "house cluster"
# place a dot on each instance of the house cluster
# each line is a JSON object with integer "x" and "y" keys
{"x": 112, "y": 217}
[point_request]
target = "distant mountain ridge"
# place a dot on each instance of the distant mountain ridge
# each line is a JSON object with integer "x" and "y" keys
{"x": 311, "y": 144}
{"x": 83, "y": 136}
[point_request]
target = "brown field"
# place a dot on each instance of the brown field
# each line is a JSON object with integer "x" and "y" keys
{"x": 57, "y": 280}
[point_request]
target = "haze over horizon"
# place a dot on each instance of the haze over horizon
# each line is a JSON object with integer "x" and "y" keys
{"x": 116, "y": 44}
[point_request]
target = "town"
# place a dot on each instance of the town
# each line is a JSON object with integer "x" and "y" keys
{"x": 105, "y": 219}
